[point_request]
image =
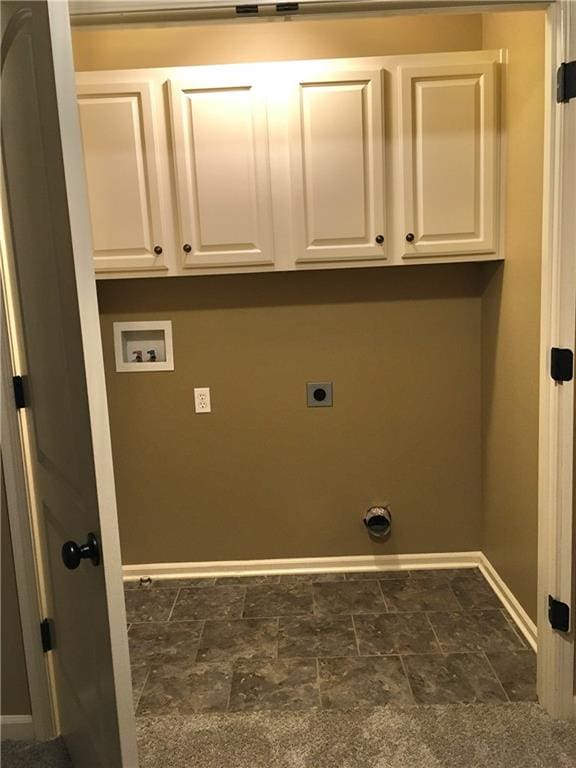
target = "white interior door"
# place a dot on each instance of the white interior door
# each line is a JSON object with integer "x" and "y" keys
{"x": 448, "y": 135}
{"x": 337, "y": 167}
{"x": 66, "y": 422}
{"x": 220, "y": 138}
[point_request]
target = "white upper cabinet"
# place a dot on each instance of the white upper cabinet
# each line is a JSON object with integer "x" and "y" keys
{"x": 448, "y": 137}
{"x": 337, "y": 166}
{"x": 122, "y": 170}
{"x": 222, "y": 173}
{"x": 294, "y": 165}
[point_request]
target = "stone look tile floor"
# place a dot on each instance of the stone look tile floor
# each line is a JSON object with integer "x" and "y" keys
{"x": 323, "y": 641}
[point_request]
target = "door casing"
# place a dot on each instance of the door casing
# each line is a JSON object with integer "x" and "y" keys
{"x": 558, "y": 328}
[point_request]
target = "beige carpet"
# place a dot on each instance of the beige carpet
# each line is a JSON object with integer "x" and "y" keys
{"x": 447, "y": 736}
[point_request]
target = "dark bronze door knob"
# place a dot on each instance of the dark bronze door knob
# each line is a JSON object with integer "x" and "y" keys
{"x": 73, "y": 554}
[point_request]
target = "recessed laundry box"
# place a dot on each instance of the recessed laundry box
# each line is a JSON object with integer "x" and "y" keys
{"x": 143, "y": 346}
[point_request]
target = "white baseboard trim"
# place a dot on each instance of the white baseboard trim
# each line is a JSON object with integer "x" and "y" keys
{"x": 517, "y": 613}
{"x": 16, "y": 727}
{"x": 302, "y": 565}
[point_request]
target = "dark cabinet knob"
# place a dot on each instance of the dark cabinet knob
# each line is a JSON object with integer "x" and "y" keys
{"x": 379, "y": 239}
{"x": 157, "y": 250}
{"x": 186, "y": 247}
{"x": 73, "y": 554}
{"x": 410, "y": 237}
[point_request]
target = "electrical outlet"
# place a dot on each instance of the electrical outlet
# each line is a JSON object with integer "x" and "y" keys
{"x": 202, "y": 400}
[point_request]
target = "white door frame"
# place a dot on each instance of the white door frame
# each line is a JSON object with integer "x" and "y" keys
{"x": 558, "y": 308}
{"x": 558, "y": 329}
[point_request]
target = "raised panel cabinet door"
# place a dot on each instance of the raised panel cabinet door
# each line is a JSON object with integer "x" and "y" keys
{"x": 122, "y": 171}
{"x": 448, "y": 136}
{"x": 220, "y": 142}
{"x": 337, "y": 167}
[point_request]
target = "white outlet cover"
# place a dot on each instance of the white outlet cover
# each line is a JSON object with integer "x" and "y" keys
{"x": 202, "y": 402}
{"x": 143, "y": 337}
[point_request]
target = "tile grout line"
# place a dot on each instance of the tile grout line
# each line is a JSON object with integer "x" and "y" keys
{"x": 355, "y": 635}
{"x": 234, "y": 659}
{"x": 200, "y": 636}
{"x": 313, "y": 596}
{"x": 232, "y": 665}
{"x": 263, "y": 659}
{"x": 507, "y": 616}
{"x": 434, "y": 633}
{"x": 173, "y": 605}
{"x": 485, "y": 654}
{"x": 278, "y": 638}
{"x": 458, "y": 601}
{"x": 317, "y": 660}
{"x": 407, "y": 676}
{"x": 137, "y": 702}
{"x": 242, "y": 612}
{"x": 448, "y": 610}
{"x": 523, "y": 644}
{"x": 383, "y": 596}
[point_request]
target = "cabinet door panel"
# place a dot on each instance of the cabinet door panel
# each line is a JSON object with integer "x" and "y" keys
{"x": 448, "y": 135}
{"x": 337, "y": 170}
{"x": 222, "y": 173}
{"x": 121, "y": 159}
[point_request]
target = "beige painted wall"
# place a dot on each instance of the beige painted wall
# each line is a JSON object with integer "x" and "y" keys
{"x": 263, "y": 475}
{"x": 14, "y": 697}
{"x": 511, "y": 320}
{"x": 232, "y": 43}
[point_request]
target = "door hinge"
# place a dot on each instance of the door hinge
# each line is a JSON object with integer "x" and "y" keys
{"x": 19, "y": 398}
{"x": 558, "y": 614}
{"x": 47, "y": 635}
{"x": 561, "y": 364}
{"x": 566, "y": 82}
